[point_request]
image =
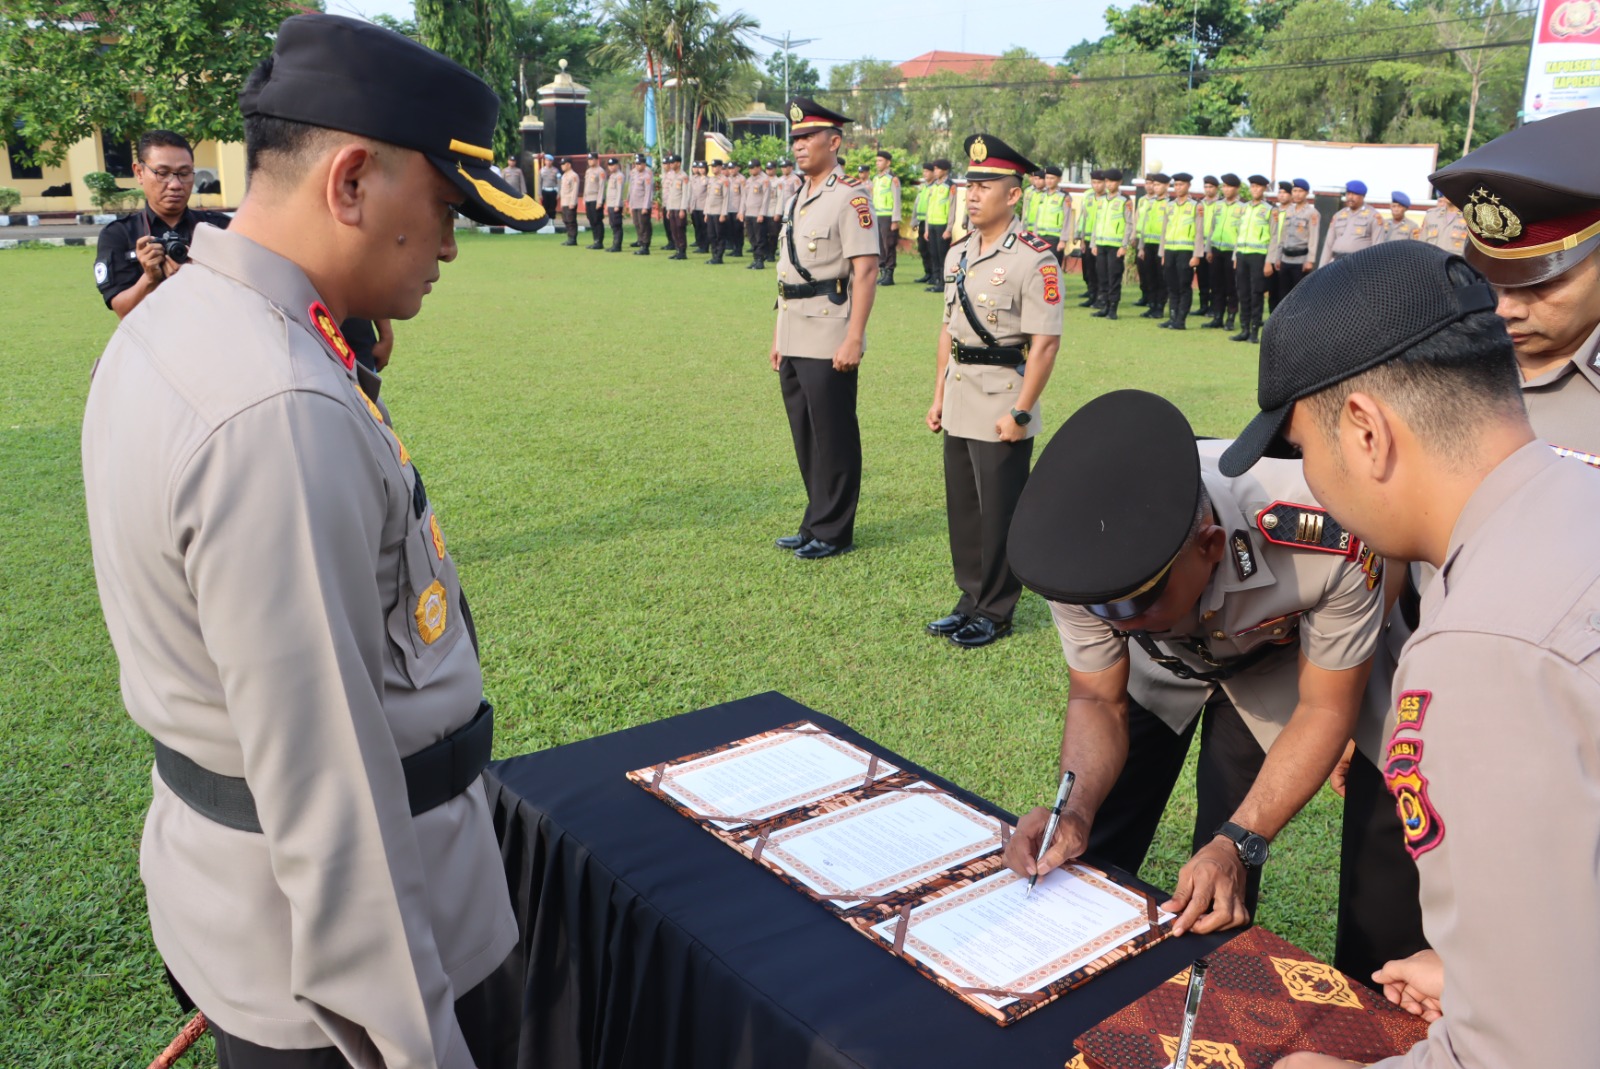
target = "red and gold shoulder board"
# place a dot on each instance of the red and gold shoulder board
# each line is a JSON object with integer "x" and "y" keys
{"x": 322, "y": 320}
{"x": 1284, "y": 523}
{"x": 1035, "y": 242}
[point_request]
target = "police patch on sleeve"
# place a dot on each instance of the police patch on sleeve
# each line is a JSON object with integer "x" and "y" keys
{"x": 1052, "y": 284}
{"x": 1419, "y": 819}
{"x": 863, "y": 211}
{"x": 102, "y": 271}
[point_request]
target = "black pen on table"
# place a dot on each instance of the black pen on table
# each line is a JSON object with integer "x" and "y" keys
{"x": 1191, "y": 1011}
{"x": 1062, "y": 794}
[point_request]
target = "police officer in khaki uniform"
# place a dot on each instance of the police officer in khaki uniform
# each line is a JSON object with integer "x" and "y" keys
{"x": 1240, "y": 596}
{"x": 1444, "y": 225}
{"x": 827, "y": 279}
{"x": 1294, "y": 243}
{"x": 594, "y": 191}
{"x": 1354, "y": 227}
{"x": 319, "y": 857}
{"x": 568, "y": 201}
{"x": 757, "y": 192}
{"x": 641, "y": 202}
{"x": 616, "y": 196}
{"x": 717, "y": 212}
{"x": 698, "y": 184}
{"x": 1397, "y": 227}
{"x": 675, "y": 206}
{"x": 733, "y": 237}
{"x": 775, "y": 190}
{"x": 1422, "y": 444}
{"x": 997, "y": 347}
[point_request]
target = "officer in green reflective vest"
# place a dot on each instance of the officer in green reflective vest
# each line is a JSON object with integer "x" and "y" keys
{"x": 1085, "y": 235}
{"x": 1030, "y": 199}
{"x": 1202, "y": 273}
{"x": 1222, "y": 236}
{"x": 1113, "y": 236}
{"x": 886, "y": 208}
{"x": 1255, "y": 238}
{"x": 919, "y": 218}
{"x": 1052, "y": 212}
{"x": 939, "y": 198}
{"x": 1150, "y": 220}
{"x": 1183, "y": 243}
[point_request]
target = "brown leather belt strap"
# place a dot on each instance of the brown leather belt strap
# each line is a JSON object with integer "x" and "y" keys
{"x": 434, "y": 775}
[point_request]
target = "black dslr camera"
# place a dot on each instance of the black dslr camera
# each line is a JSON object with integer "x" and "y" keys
{"x": 174, "y": 246}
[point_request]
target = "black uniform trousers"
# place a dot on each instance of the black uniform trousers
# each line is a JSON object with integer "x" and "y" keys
{"x": 1251, "y": 281}
{"x": 1091, "y": 278}
{"x": 924, "y": 250}
{"x": 774, "y": 225}
{"x": 1202, "y": 276}
{"x": 1108, "y": 272}
{"x": 1152, "y": 278}
{"x": 614, "y": 217}
{"x": 982, "y": 483}
{"x": 1224, "y": 286}
{"x": 756, "y": 230}
{"x": 1288, "y": 276}
{"x": 643, "y": 227}
{"x": 698, "y": 219}
{"x": 597, "y": 220}
{"x": 549, "y": 198}
{"x": 1230, "y": 759}
{"x": 1380, "y": 913}
{"x": 569, "y": 220}
{"x": 888, "y": 242}
{"x": 490, "y": 1016}
{"x": 821, "y": 403}
{"x": 733, "y": 234}
{"x": 1179, "y": 282}
{"x": 938, "y": 250}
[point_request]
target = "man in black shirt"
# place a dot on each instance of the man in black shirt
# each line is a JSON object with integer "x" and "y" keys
{"x": 131, "y": 261}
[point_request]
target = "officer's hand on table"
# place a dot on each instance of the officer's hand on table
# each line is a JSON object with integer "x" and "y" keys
{"x": 1210, "y": 894}
{"x": 1267, "y": 270}
{"x": 153, "y": 260}
{"x": 1341, "y": 771}
{"x": 1307, "y": 1060}
{"x": 848, "y": 356}
{"x": 936, "y": 417}
{"x": 1072, "y": 835}
{"x": 1009, "y": 429}
{"x": 776, "y": 357}
{"x": 1415, "y": 984}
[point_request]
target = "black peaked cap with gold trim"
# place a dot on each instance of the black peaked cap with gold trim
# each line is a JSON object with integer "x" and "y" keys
{"x": 1110, "y": 502}
{"x": 346, "y": 74}
{"x": 990, "y": 157}
{"x": 1530, "y": 198}
{"x": 806, "y": 116}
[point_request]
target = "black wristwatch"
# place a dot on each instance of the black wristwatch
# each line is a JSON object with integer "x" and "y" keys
{"x": 1022, "y": 416}
{"x": 1253, "y": 849}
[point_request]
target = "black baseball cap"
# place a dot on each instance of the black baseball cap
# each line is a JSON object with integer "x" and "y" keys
{"x": 346, "y": 74}
{"x": 1106, "y": 511}
{"x": 1358, "y": 312}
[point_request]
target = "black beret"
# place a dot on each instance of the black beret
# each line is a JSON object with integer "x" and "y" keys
{"x": 884, "y": 154}
{"x": 640, "y": 158}
{"x": 1230, "y": 179}
{"x": 1110, "y": 503}
{"x": 1183, "y": 176}
{"x": 594, "y": 155}
{"x": 1360, "y": 311}
{"x": 1159, "y": 176}
{"x": 807, "y": 116}
{"x": 1210, "y": 180}
{"x": 1052, "y": 171}
{"x": 927, "y": 165}
{"x": 941, "y": 164}
{"x": 348, "y": 74}
{"x": 1530, "y": 198}
{"x": 1260, "y": 180}
{"x": 1287, "y": 187}
{"x": 1096, "y": 175}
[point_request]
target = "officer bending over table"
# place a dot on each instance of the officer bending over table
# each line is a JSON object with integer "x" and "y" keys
{"x": 1241, "y": 598}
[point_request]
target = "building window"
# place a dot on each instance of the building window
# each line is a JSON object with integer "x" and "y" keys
{"x": 16, "y": 152}
{"x": 119, "y": 158}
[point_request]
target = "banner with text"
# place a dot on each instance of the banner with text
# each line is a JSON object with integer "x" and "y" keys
{"x": 1564, "y": 63}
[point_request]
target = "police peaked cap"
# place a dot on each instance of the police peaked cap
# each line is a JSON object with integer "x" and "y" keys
{"x": 346, "y": 74}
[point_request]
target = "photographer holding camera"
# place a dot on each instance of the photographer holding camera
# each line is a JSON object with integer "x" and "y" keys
{"x": 139, "y": 252}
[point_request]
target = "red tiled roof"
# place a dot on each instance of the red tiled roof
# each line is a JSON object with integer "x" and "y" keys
{"x": 955, "y": 62}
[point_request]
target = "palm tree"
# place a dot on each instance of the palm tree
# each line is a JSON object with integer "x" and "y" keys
{"x": 634, "y": 30}
{"x": 716, "y": 67}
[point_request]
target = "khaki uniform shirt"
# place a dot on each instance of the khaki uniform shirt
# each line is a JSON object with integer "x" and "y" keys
{"x": 717, "y": 196}
{"x": 1446, "y": 228}
{"x": 594, "y": 183}
{"x": 774, "y": 196}
{"x": 674, "y": 191}
{"x": 697, "y": 192}
{"x": 736, "y": 194}
{"x": 832, "y": 224}
{"x": 516, "y": 180}
{"x": 1564, "y": 404}
{"x": 641, "y": 189}
{"x": 614, "y": 187}
{"x": 1258, "y": 594}
{"x": 283, "y": 609}
{"x": 1351, "y": 231}
{"x": 1496, "y": 769}
{"x": 757, "y": 191}
{"x": 569, "y": 190}
{"x": 1015, "y": 290}
{"x": 1298, "y": 228}
{"x": 1398, "y": 230}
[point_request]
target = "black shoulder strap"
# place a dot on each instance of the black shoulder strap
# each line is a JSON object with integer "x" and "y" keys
{"x": 1225, "y": 671}
{"x": 788, "y": 234}
{"x": 966, "y": 304}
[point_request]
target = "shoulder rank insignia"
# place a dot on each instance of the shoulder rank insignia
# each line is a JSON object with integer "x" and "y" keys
{"x": 322, "y": 319}
{"x": 1244, "y": 560}
{"x": 1011, "y": 239}
{"x": 1577, "y": 454}
{"x": 1306, "y": 527}
{"x": 832, "y": 178}
{"x": 1035, "y": 242}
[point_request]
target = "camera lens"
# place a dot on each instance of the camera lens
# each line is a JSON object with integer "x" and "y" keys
{"x": 176, "y": 249}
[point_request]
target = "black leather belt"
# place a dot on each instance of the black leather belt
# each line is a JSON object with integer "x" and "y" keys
{"x": 998, "y": 355}
{"x": 434, "y": 775}
{"x": 826, "y": 288}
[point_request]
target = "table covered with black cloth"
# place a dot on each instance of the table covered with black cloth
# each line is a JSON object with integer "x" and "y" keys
{"x": 649, "y": 943}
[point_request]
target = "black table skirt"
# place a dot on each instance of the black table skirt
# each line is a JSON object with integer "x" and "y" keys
{"x": 649, "y": 943}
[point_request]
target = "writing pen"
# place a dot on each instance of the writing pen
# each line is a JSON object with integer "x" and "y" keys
{"x": 1191, "y": 1011}
{"x": 1062, "y": 794}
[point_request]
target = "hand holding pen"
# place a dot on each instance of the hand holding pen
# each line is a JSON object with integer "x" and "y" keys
{"x": 1063, "y": 793}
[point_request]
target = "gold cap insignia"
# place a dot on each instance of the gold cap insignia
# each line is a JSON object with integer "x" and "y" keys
{"x": 432, "y": 611}
{"x": 795, "y": 114}
{"x": 1488, "y": 218}
{"x": 979, "y": 151}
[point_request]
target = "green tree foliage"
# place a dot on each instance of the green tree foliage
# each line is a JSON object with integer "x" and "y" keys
{"x": 748, "y": 150}
{"x": 803, "y": 80}
{"x": 1101, "y": 117}
{"x": 126, "y": 67}
{"x": 480, "y": 35}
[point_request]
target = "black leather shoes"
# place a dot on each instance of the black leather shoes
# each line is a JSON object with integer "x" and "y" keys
{"x": 816, "y": 549}
{"x": 949, "y": 625}
{"x": 980, "y": 631}
{"x": 791, "y": 542}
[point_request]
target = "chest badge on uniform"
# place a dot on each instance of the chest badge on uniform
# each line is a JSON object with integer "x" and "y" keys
{"x": 998, "y": 278}
{"x": 432, "y": 612}
{"x": 322, "y": 319}
{"x": 1244, "y": 561}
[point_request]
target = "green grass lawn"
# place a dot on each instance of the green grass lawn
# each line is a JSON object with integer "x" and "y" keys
{"x": 606, "y": 448}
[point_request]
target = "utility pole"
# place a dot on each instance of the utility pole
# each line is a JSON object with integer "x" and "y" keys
{"x": 786, "y": 44}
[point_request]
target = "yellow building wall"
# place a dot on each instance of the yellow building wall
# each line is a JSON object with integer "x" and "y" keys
{"x": 88, "y": 155}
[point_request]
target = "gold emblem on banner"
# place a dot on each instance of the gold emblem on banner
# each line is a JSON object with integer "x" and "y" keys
{"x": 1204, "y": 1054}
{"x": 979, "y": 150}
{"x": 795, "y": 114}
{"x": 1575, "y": 18}
{"x": 432, "y": 612}
{"x": 1312, "y": 981}
{"x": 1488, "y": 218}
